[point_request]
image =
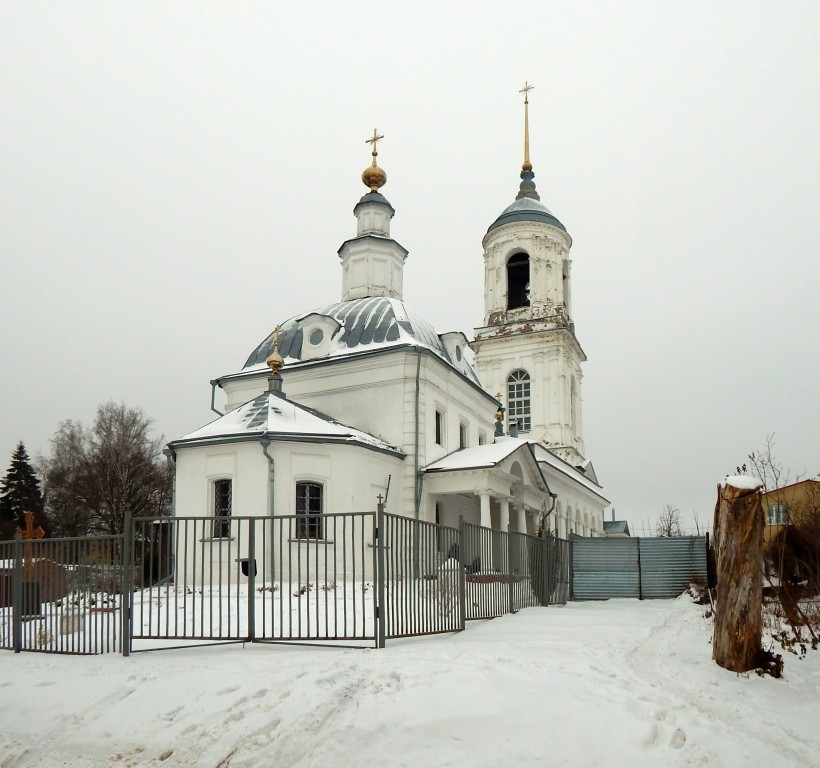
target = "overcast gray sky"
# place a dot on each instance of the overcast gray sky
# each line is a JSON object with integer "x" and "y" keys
{"x": 176, "y": 178}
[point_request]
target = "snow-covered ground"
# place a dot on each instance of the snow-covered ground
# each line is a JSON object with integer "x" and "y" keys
{"x": 587, "y": 684}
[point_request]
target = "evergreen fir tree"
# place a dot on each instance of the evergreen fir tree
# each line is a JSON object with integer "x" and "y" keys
{"x": 19, "y": 493}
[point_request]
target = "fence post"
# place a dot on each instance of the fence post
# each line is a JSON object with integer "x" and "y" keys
{"x": 252, "y": 580}
{"x": 462, "y": 575}
{"x": 640, "y": 577}
{"x": 381, "y": 607}
{"x": 510, "y": 571}
{"x": 571, "y": 557}
{"x": 17, "y": 594}
{"x": 546, "y": 570}
{"x": 127, "y": 584}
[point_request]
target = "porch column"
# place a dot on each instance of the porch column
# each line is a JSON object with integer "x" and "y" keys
{"x": 522, "y": 518}
{"x": 486, "y": 521}
{"x": 504, "y": 515}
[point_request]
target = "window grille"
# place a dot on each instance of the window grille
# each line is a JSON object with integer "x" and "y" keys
{"x": 223, "y": 498}
{"x": 309, "y": 524}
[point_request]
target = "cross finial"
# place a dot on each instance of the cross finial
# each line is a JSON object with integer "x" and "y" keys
{"x": 527, "y": 166}
{"x": 275, "y": 361}
{"x": 373, "y": 176}
{"x": 374, "y": 140}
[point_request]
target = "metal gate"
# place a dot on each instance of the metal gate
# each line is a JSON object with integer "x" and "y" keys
{"x": 357, "y": 578}
{"x": 295, "y": 578}
{"x": 61, "y": 595}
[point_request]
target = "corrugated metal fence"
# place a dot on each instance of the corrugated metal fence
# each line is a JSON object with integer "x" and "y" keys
{"x": 636, "y": 567}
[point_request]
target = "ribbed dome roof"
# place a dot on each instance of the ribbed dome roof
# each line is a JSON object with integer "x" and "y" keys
{"x": 526, "y": 209}
{"x": 366, "y": 324}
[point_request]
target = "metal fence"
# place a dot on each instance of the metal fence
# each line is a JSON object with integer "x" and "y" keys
{"x": 260, "y": 580}
{"x": 356, "y": 578}
{"x": 438, "y": 577}
{"x": 637, "y": 567}
{"x": 61, "y": 595}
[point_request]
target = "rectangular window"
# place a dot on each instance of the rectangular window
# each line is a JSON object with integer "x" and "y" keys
{"x": 482, "y": 438}
{"x": 462, "y": 435}
{"x": 778, "y": 514}
{"x": 309, "y": 511}
{"x": 223, "y": 493}
{"x": 439, "y": 428}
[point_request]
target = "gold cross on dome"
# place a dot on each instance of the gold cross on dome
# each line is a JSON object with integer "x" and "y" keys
{"x": 374, "y": 139}
{"x": 526, "y": 91}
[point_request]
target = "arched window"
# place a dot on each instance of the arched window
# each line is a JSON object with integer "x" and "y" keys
{"x": 518, "y": 399}
{"x": 309, "y": 511}
{"x": 223, "y": 498}
{"x": 518, "y": 281}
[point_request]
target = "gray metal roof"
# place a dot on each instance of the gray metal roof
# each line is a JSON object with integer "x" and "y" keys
{"x": 616, "y": 526}
{"x": 526, "y": 209}
{"x": 374, "y": 197}
{"x": 281, "y": 419}
{"x": 367, "y": 324}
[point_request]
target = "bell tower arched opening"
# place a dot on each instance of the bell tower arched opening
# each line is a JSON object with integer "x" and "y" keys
{"x": 518, "y": 281}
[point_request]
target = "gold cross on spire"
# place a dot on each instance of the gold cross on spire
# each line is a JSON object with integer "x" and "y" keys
{"x": 527, "y": 166}
{"x": 275, "y": 361}
{"x": 374, "y": 140}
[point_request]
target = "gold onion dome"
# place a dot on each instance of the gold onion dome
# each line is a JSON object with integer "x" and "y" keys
{"x": 274, "y": 360}
{"x": 374, "y": 177}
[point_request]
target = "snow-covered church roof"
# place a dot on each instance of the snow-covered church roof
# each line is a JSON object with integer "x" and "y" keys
{"x": 282, "y": 420}
{"x": 359, "y": 326}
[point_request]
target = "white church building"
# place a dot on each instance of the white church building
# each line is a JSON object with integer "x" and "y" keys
{"x": 363, "y": 398}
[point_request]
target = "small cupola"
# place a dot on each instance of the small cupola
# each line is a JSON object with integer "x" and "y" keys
{"x": 372, "y": 262}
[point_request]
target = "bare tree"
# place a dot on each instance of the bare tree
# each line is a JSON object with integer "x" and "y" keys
{"x": 765, "y": 467}
{"x": 668, "y": 524}
{"x": 793, "y": 553}
{"x": 95, "y": 476}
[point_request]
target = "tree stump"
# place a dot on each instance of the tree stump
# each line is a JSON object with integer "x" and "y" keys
{"x": 738, "y": 534}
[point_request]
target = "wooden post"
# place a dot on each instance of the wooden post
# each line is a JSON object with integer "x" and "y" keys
{"x": 738, "y": 537}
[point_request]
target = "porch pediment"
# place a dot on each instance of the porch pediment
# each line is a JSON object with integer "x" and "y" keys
{"x": 505, "y": 470}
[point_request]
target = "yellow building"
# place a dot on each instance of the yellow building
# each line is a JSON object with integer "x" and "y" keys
{"x": 790, "y": 505}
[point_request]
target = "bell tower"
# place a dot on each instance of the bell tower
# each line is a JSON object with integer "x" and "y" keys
{"x": 527, "y": 348}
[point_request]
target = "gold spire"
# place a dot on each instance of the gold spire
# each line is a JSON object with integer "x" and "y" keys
{"x": 373, "y": 176}
{"x": 527, "y": 165}
{"x": 275, "y": 361}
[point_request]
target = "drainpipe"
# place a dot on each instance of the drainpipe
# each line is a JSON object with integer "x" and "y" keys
{"x": 214, "y": 383}
{"x": 416, "y": 474}
{"x": 265, "y": 441}
{"x": 417, "y": 478}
